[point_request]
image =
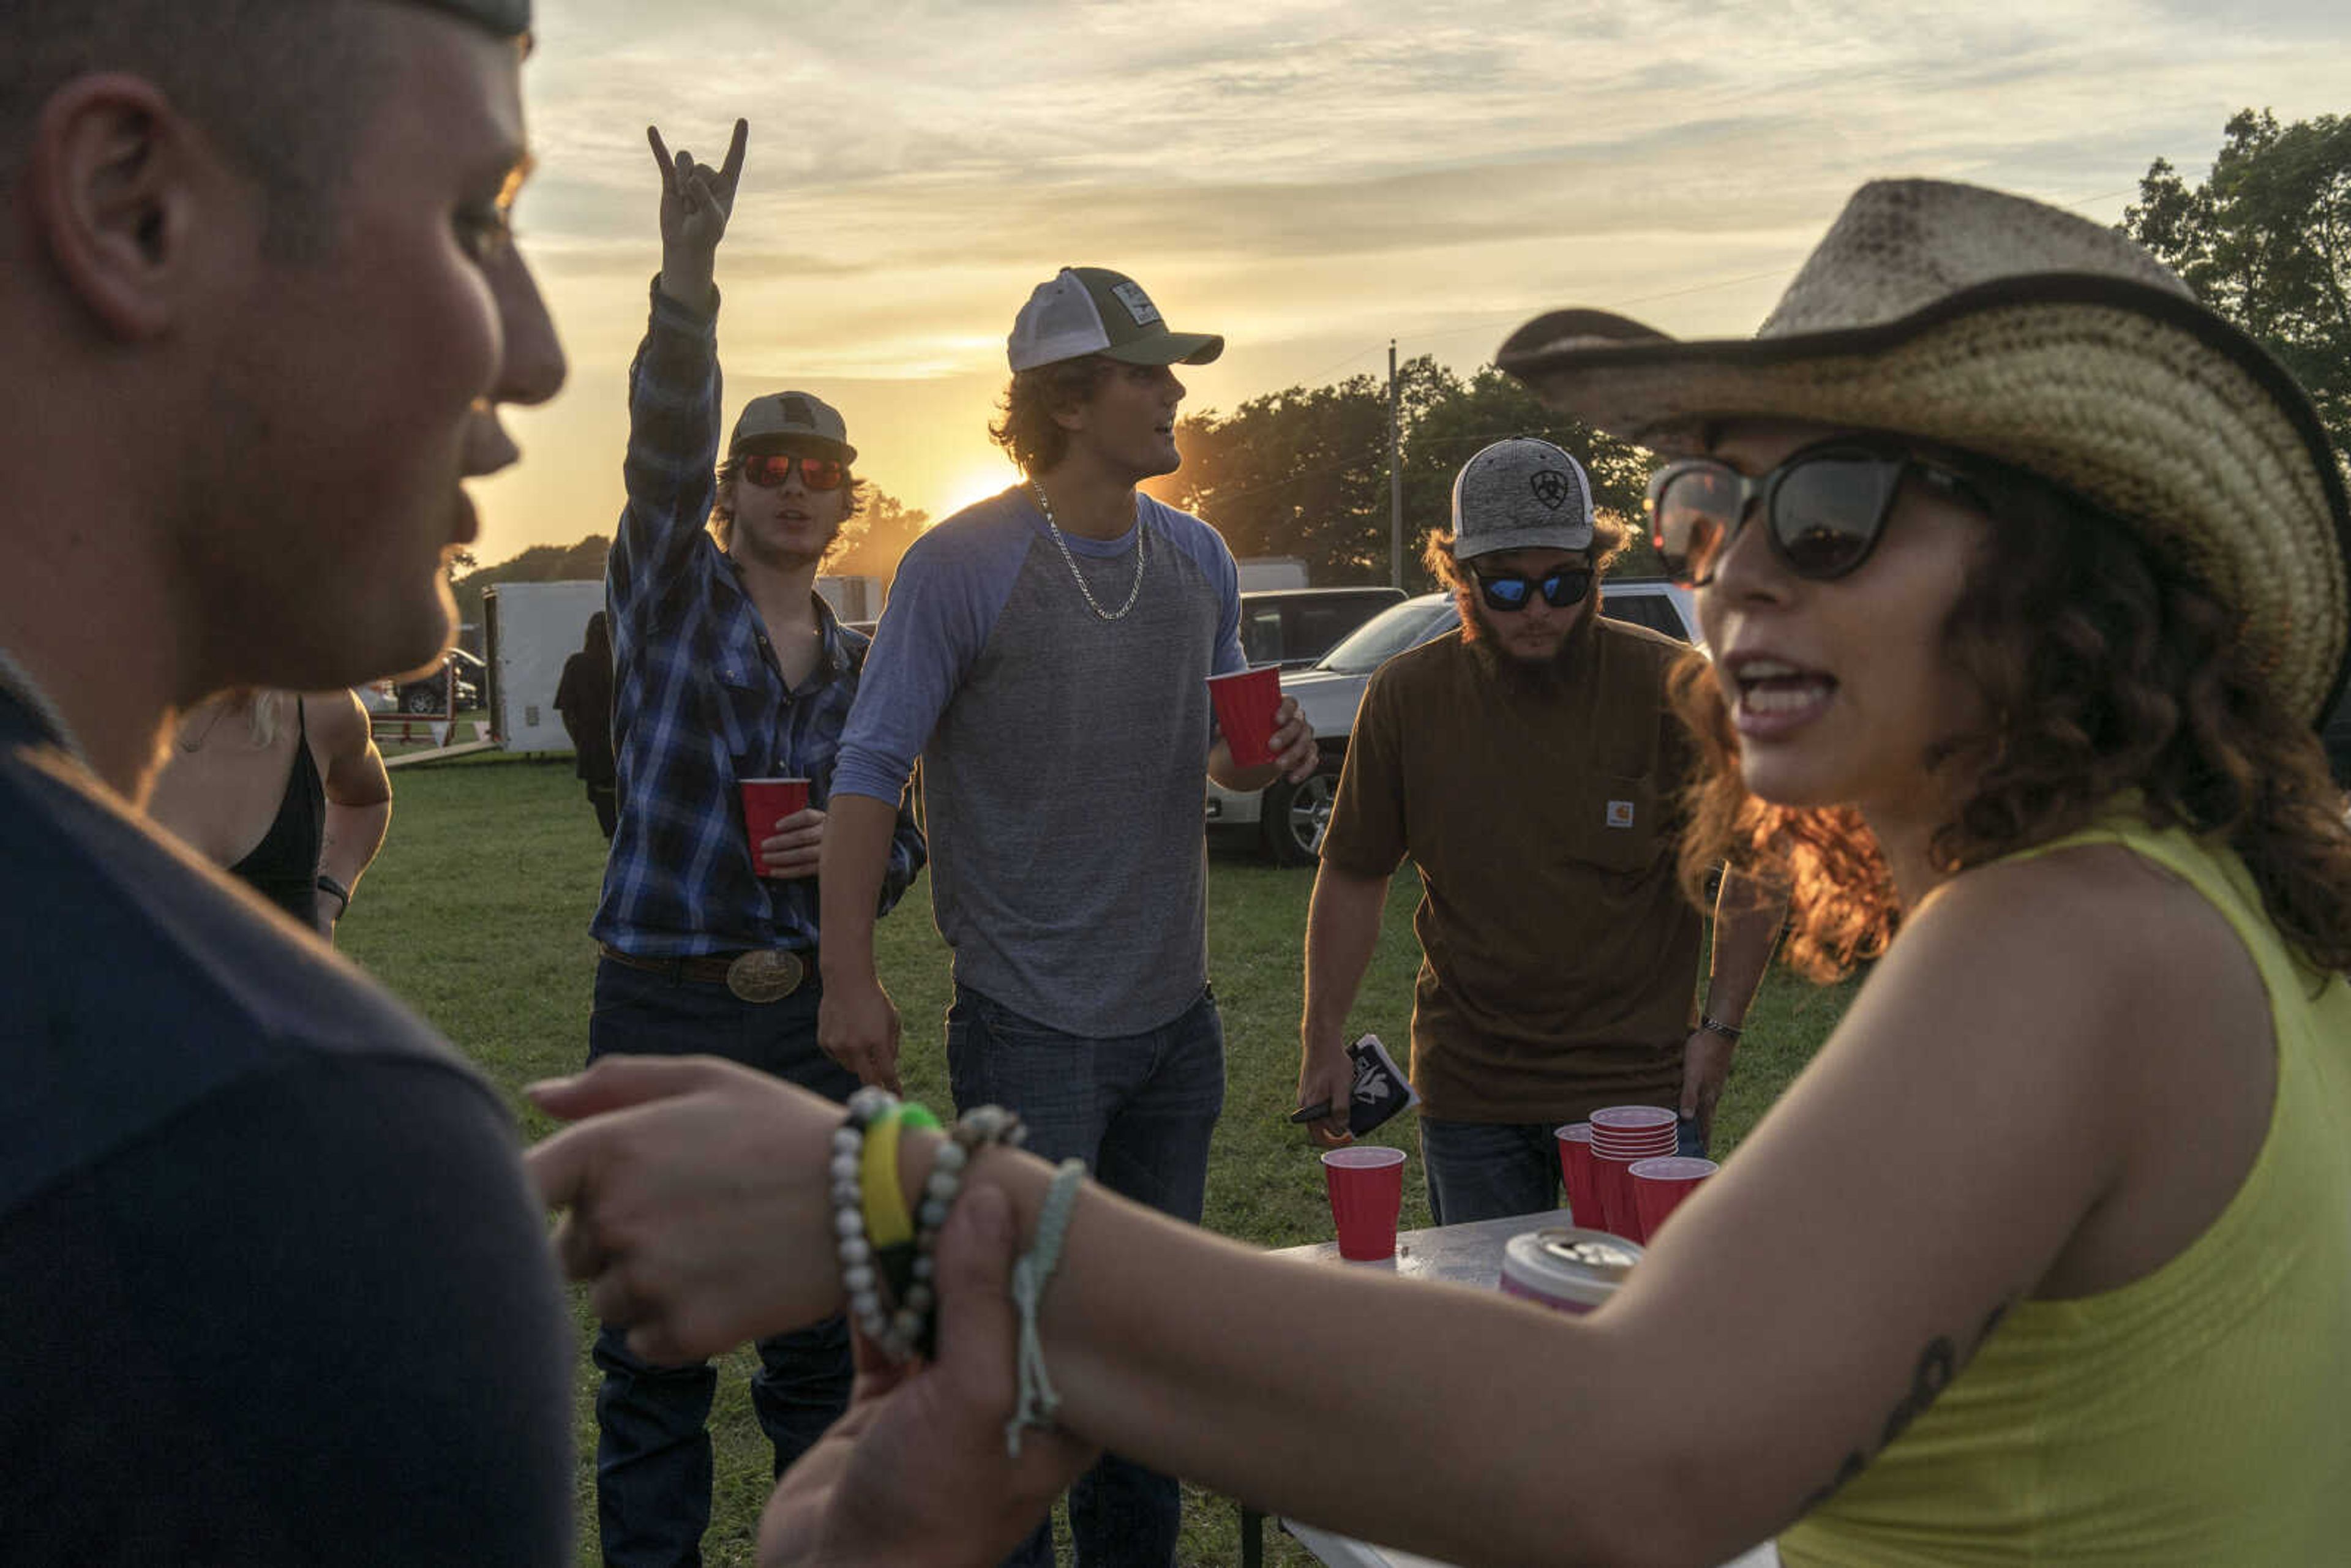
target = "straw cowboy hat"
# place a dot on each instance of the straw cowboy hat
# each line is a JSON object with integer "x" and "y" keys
{"x": 1998, "y": 325}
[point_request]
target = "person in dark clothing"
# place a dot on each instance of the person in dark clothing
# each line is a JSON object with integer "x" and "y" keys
{"x": 583, "y": 695}
{"x": 276, "y": 1292}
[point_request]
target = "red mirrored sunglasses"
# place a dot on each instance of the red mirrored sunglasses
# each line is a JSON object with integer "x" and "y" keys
{"x": 769, "y": 469}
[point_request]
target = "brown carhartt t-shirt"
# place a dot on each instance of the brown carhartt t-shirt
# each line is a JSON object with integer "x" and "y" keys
{"x": 1560, "y": 957}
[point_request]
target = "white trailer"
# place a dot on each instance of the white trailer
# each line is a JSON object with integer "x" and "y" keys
{"x": 851, "y": 598}
{"x": 531, "y": 628}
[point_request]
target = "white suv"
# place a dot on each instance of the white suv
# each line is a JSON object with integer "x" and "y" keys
{"x": 1288, "y": 819}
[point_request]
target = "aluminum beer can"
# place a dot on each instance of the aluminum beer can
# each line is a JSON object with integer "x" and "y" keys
{"x": 1566, "y": 1268}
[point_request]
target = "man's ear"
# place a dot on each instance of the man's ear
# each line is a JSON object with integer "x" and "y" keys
{"x": 111, "y": 191}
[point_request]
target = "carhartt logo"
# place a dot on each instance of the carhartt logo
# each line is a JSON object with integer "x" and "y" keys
{"x": 1138, "y": 304}
{"x": 1620, "y": 814}
{"x": 1552, "y": 487}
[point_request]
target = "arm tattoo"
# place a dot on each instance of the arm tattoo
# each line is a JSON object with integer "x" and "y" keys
{"x": 1937, "y": 1364}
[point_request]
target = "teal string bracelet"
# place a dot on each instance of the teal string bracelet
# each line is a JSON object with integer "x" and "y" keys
{"x": 1040, "y": 1403}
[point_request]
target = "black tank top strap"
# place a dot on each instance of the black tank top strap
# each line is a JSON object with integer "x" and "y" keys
{"x": 284, "y": 866}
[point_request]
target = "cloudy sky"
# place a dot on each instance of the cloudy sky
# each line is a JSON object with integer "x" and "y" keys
{"x": 1310, "y": 177}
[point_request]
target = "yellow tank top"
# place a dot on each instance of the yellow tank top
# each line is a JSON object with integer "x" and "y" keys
{"x": 2200, "y": 1415}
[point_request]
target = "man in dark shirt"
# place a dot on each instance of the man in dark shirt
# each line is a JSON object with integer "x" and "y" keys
{"x": 583, "y": 695}
{"x": 729, "y": 667}
{"x": 1559, "y": 955}
{"x": 276, "y": 1292}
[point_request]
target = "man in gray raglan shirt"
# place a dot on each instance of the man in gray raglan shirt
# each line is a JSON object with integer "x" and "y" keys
{"x": 1047, "y": 653}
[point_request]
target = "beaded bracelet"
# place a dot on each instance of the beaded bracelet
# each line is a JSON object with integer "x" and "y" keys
{"x": 913, "y": 1327}
{"x": 858, "y": 1277}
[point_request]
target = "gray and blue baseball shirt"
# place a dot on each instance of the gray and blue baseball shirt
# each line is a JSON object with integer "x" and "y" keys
{"x": 1063, "y": 754}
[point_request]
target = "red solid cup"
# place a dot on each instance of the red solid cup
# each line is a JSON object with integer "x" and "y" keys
{"x": 1614, "y": 1188}
{"x": 1575, "y": 1173}
{"x": 1660, "y": 1186}
{"x": 1367, "y": 1186}
{"x": 1246, "y": 705}
{"x": 766, "y": 802}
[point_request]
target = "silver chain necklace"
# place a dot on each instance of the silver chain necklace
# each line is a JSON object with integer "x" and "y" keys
{"x": 19, "y": 683}
{"x": 1093, "y": 604}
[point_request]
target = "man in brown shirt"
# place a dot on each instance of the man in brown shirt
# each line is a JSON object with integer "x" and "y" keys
{"x": 1531, "y": 768}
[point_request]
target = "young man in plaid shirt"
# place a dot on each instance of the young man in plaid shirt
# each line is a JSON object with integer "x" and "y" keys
{"x": 728, "y": 666}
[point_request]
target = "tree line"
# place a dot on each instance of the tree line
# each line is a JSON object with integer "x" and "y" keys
{"x": 2265, "y": 239}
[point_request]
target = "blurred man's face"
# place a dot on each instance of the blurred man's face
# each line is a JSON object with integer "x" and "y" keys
{"x": 362, "y": 387}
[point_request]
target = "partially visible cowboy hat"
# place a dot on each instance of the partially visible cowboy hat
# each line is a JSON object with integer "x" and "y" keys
{"x": 1996, "y": 325}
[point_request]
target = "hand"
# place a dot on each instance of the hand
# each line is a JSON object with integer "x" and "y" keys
{"x": 1326, "y": 1072}
{"x": 915, "y": 1474}
{"x": 1294, "y": 751}
{"x": 857, "y": 1026}
{"x": 1706, "y": 1068}
{"x": 793, "y": 850}
{"x": 698, "y": 1200}
{"x": 696, "y": 201}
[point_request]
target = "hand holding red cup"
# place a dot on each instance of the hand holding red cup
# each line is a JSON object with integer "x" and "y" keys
{"x": 1248, "y": 710}
{"x": 766, "y": 803}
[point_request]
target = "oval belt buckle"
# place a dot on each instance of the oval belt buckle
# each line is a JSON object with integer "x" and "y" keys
{"x": 764, "y": 973}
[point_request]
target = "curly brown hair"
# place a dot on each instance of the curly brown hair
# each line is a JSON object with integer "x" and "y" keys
{"x": 2106, "y": 668}
{"x": 1028, "y": 430}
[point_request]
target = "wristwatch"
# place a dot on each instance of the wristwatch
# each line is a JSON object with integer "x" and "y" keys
{"x": 1714, "y": 1025}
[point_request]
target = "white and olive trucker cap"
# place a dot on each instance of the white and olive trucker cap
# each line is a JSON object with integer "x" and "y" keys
{"x": 1520, "y": 493}
{"x": 1093, "y": 310}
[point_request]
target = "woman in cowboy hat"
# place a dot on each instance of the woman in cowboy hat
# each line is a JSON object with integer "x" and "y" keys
{"x": 2024, "y": 576}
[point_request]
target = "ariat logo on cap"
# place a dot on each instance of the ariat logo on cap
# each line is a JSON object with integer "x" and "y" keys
{"x": 1138, "y": 304}
{"x": 1620, "y": 814}
{"x": 1553, "y": 488}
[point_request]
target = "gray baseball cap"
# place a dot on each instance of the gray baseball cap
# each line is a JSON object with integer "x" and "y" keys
{"x": 787, "y": 418}
{"x": 1520, "y": 493}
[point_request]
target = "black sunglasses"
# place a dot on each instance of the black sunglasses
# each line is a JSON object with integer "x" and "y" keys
{"x": 1824, "y": 508}
{"x": 1510, "y": 592}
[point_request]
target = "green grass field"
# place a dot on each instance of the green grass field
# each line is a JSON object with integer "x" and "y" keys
{"x": 476, "y": 913}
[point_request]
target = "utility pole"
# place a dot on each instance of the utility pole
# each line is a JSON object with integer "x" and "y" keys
{"x": 1395, "y": 476}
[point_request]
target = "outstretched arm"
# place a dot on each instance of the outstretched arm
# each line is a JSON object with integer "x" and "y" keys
{"x": 675, "y": 387}
{"x": 1790, "y": 1322}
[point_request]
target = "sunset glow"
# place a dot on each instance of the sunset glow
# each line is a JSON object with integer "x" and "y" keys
{"x": 1308, "y": 178}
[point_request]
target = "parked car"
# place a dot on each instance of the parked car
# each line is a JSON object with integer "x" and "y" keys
{"x": 1288, "y": 819}
{"x": 1292, "y": 627}
{"x": 430, "y": 693}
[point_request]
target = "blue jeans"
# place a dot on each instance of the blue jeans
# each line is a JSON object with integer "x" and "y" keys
{"x": 1485, "y": 1170}
{"x": 1139, "y": 1109}
{"x": 652, "y": 1447}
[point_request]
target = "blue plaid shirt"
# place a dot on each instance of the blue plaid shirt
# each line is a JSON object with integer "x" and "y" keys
{"x": 698, "y": 702}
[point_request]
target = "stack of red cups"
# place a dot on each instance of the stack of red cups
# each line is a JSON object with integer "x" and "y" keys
{"x": 1620, "y": 1136}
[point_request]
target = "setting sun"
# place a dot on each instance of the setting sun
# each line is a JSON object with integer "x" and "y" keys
{"x": 976, "y": 483}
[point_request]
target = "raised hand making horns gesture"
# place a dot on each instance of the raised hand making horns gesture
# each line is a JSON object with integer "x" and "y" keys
{"x": 696, "y": 201}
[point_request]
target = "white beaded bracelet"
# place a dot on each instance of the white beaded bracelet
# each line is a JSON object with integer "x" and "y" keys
{"x": 859, "y": 1278}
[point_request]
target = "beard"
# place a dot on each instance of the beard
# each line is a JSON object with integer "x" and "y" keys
{"x": 1542, "y": 676}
